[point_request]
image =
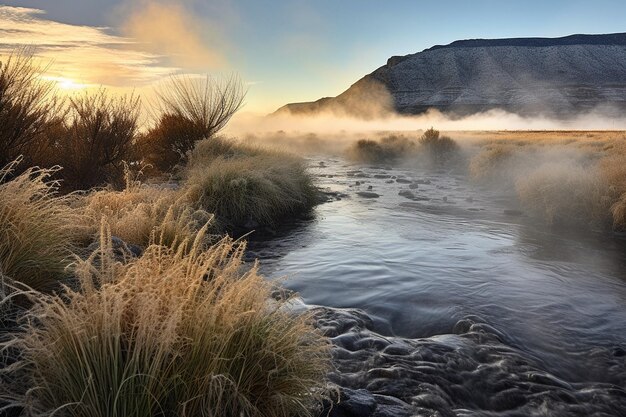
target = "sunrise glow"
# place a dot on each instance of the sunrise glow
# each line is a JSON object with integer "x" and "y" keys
{"x": 65, "y": 83}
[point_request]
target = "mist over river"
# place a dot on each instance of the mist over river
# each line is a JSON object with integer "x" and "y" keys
{"x": 433, "y": 249}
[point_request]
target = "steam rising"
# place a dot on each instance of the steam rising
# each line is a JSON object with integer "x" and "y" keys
{"x": 170, "y": 30}
{"x": 329, "y": 123}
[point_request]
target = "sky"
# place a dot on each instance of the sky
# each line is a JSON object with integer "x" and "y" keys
{"x": 284, "y": 51}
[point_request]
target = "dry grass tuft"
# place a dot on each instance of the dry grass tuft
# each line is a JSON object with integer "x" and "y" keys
{"x": 38, "y": 228}
{"x": 491, "y": 161}
{"x": 140, "y": 214}
{"x": 185, "y": 332}
{"x": 246, "y": 185}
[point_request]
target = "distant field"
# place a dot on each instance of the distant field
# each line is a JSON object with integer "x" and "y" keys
{"x": 543, "y": 135}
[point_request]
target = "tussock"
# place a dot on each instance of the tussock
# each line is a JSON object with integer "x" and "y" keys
{"x": 176, "y": 332}
{"x": 38, "y": 228}
{"x": 246, "y": 185}
{"x": 140, "y": 213}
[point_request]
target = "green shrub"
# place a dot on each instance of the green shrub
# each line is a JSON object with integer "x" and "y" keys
{"x": 172, "y": 333}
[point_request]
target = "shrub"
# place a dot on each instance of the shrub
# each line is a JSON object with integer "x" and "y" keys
{"x": 95, "y": 140}
{"x": 172, "y": 333}
{"x": 38, "y": 228}
{"x": 192, "y": 110}
{"x": 388, "y": 150}
{"x": 27, "y": 104}
{"x": 439, "y": 148}
{"x": 165, "y": 145}
{"x": 246, "y": 186}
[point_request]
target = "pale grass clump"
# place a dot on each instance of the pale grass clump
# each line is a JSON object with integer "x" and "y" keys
{"x": 248, "y": 186}
{"x": 140, "y": 213}
{"x": 565, "y": 193}
{"x": 175, "y": 332}
{"x": 38, "y": 228}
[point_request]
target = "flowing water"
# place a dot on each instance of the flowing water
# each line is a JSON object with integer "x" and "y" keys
{"x": 418, "y": 263}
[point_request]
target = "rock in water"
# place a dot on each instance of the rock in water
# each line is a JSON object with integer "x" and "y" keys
{"x": 368, "y": 194}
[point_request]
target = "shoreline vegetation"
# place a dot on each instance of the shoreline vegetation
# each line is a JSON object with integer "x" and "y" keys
{"x": 120, "y": 297}
{"x": 564, "y": 178}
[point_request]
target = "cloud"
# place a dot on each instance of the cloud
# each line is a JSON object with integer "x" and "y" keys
{"x": 171, "y": 31}
{"x": 89, "y": 55}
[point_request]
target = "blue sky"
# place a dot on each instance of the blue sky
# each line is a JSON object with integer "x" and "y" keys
{"x": 302, "y": 50}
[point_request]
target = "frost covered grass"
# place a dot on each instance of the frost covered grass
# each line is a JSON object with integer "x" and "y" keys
{"x": 141, "y": 213}
{"x": 177, "y": 331}
{"x": 247, "y": 186}
{"x": 38, "y": 228}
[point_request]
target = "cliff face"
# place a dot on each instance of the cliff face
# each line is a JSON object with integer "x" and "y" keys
{"x": 553, "y": 76}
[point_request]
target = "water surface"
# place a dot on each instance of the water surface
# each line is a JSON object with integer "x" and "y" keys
{"x": 420, "y": 265}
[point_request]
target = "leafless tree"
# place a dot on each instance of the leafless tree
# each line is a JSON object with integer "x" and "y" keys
{"x": 97, "y": 137}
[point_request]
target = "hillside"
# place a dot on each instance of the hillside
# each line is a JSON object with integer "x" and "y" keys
{"x": 553, "y": 76}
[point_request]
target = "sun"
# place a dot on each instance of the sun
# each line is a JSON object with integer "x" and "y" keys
{"x": 65, "y": 83}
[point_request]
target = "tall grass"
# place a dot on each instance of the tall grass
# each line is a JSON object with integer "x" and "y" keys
{"x": 578, "y": 180}
{"x": 564, "y": 194}
{"x": 176, "y": 332}
{"x": 247, "y": 186}
{"x": 492, "y": 161}
{"x": 38, "y": 228}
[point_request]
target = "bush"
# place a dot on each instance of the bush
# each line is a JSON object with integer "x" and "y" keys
{"x": 38, "y": 228}
{"x": 94, "y": 140}
{"x": 27, "y": 104}
{"x": 172, "y": 333}
{"x": 166, "y": 145}
{"x": 439, "y": 148}
{"x": 191, "y": 110}
{"x": 388, "y": 150}
{"x": 246, "y": 186}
